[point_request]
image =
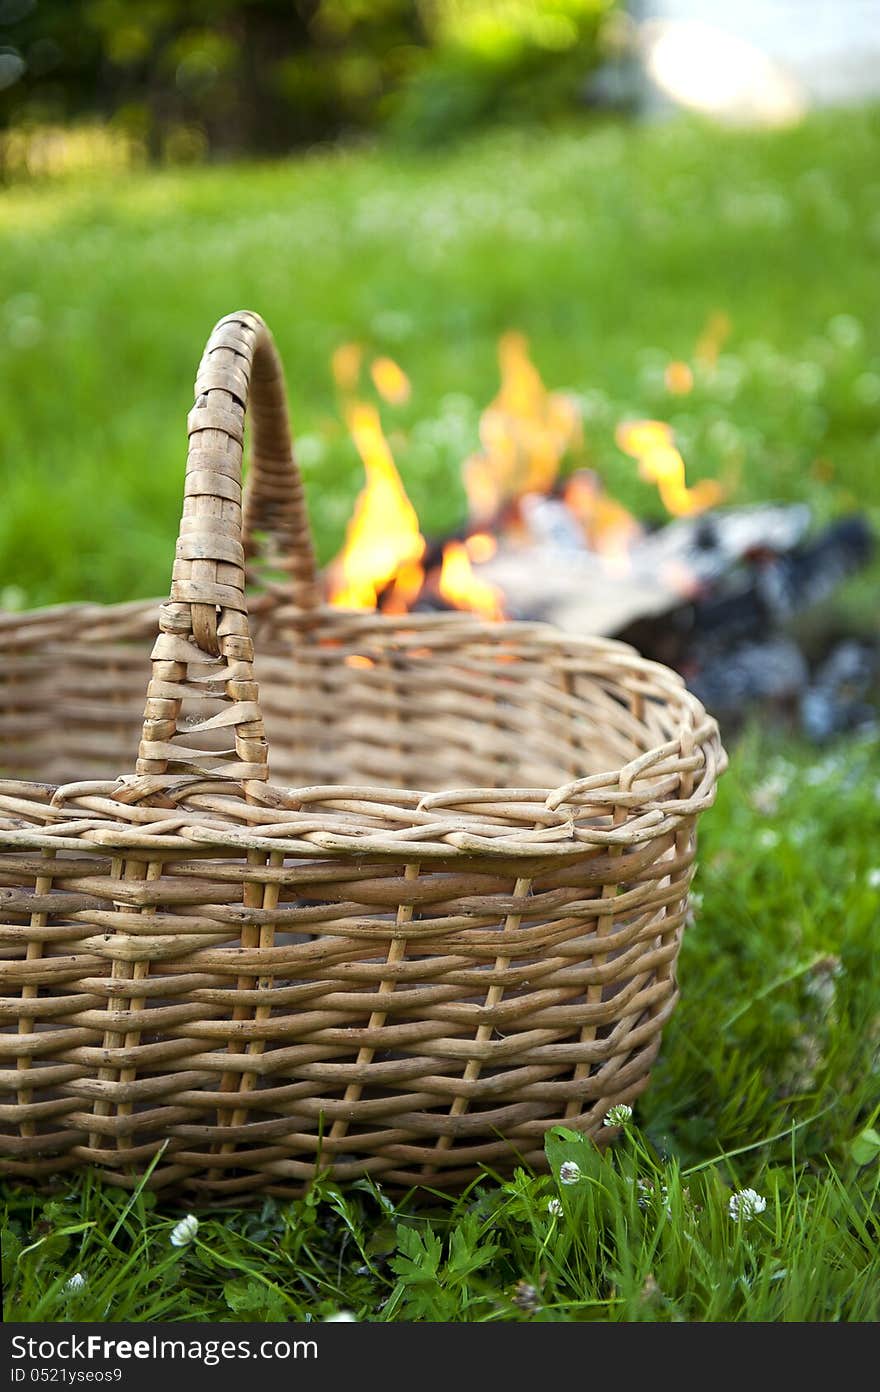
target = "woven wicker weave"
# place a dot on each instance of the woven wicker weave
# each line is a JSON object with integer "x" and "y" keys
{"x": 335, "y": 967}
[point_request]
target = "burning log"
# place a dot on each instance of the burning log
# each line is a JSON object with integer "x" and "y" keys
{"x": 577, "y": 591}
{"x": 710, "y": 545}
{"x": 837, "y": 698}
{"x": 734, "y": 572}
{"x": 773, "y": 671}
{"x": 732, "y": 645}
{"x": 761, "y": 590}
{"x": 783, "y": 584}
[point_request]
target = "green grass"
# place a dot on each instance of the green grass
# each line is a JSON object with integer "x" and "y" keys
{"x": 610, "y": 249}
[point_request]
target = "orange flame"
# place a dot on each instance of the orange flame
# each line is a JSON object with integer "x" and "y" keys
{"x": 524, "y": 433}
{"x": 405, "y": 588}
{"x": 383, "y": 535}
{"x": 390, "y": 381}
{"x": 346, "y": 366}
{"x": 679, "y": 378}
{"x": 459, "y": 586}
{"x": 609, "y": 528}
{"x": 652, "y": 444}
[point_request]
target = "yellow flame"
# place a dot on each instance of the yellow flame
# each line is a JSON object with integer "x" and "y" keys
{"x": 390, "y": 381}
{"x": 652, "y": 444}
{"x": 383, "y": 534}
{"x": 345, "y": 365}
{"x": 460, "y": 587}
{"x": 524, "y": 434}
{"x": 639, "y": 437}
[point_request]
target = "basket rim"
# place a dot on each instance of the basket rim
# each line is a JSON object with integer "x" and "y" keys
{"x": 194, "y": 813}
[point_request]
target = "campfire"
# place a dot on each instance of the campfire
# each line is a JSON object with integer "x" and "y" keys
{"x": 711, "y": 589}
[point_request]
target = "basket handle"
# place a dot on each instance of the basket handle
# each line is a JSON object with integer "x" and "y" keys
{"x": 206, "y": 620}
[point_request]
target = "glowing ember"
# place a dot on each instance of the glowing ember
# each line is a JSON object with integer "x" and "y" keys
{"x": 383, "y": 534}
{"x": 390, "y": 381}
{"x": 405, "y": 588}
{"x": 652, "y": 444}
{"x": 460, "y": 587}
{"x": 524, "y": 433}
{"x": 481, "y": 546}
{"x": 359, "y": 660}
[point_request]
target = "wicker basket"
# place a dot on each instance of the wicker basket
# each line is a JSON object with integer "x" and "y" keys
{"x": 252, "y": 979}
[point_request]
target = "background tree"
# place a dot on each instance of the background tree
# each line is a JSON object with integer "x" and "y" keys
{"x": 185, "y": 77}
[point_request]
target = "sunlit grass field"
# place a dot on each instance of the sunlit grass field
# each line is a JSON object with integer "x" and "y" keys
{"x": 611, "y": 249}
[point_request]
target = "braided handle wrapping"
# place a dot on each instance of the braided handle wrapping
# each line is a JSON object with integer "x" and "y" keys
{"x": 204, "y": 649}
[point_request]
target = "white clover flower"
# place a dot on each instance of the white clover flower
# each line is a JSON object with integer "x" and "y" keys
{"x": 527, "y": 1297}
{"x": 343, "y": 1317}
{"x": 184, "y": 1231}
{"x": 569, "y": 1172}
{"x": 554, "y": 1208}
{"x": 766, "y": 797}
{"x": 618, "y": 1115}
{"x": 75, "y": 1283}
{"x": 746, "y": 1204}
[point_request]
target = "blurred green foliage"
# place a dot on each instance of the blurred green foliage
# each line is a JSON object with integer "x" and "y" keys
{"x": 508, "y": 60}
{"x": 180, "y": 78}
